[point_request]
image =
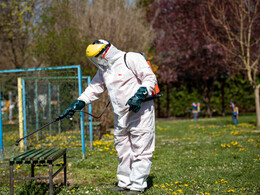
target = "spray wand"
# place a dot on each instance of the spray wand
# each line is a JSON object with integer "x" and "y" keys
{"x": 61, "y": 117}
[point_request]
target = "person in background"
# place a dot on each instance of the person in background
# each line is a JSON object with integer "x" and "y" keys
{"x": 234, "y": 113}
{"x": 195, "y": 110}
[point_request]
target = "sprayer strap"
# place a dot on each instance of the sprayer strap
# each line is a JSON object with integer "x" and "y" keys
{"x": 125, "y": 60}
{"x": 127, "y": 65}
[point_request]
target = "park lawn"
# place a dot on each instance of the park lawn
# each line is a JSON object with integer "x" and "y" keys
{"x": 210, "y": 156}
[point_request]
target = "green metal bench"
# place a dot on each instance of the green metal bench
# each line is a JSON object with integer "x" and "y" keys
{"x": 39, "y": 157}
{"x": 96, "y": 128}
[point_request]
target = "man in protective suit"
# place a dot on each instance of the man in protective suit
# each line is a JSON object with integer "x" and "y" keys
{"x": 128, "y": 80}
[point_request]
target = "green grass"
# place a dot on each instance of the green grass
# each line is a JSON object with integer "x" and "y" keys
{"x": 209, "y": 156}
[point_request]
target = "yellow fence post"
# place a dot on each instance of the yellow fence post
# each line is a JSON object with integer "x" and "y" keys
{"x": 20, "y": 108}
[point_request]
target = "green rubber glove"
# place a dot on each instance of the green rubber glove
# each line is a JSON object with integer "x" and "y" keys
{"x": 135, "y": 101}
{"x": 69, "y": 111}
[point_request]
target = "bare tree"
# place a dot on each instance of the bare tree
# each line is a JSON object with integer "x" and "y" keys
{"x": 16, "y": 25}
{"x": 239, "y": 25}
{"x": 122, "y": 24}
{"x": 58, "y": 40}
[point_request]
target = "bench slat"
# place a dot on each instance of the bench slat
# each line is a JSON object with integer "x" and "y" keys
{"x": 37, "y": 157}
{"x": 35, "y": 153}
{"x": 56, "y": 155}
{"x": 93, "y": 123}
{"x": 45, "y": 156}
{"x": 24, "y": 155}
{"x": 13, "y": 158}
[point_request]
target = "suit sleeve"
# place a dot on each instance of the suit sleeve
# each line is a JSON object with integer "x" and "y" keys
{"x": 142, "y": 70}
{"x": 94, "y": 90}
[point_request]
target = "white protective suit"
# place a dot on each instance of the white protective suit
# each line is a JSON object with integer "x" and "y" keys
{"x": 134, "y": 132}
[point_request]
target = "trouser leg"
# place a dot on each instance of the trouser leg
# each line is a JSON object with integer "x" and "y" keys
{"x": 195, "y": 117}
{"x": 142, "y": 153}
{"x": 123, "y": 147}
{"x": 235, "y": 121}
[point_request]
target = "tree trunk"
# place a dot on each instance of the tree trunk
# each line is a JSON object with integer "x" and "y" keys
{"x": 257, "y": 105}
{"x": 222, "y": 83}
{"x": 207, "y": 103}
{"x": 206, "y": 97}
{"x": 168, "y": 99}
{"x": 158, "y": 114}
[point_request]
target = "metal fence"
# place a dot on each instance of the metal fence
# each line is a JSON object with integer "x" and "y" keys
{"x": 31, "y": 98}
